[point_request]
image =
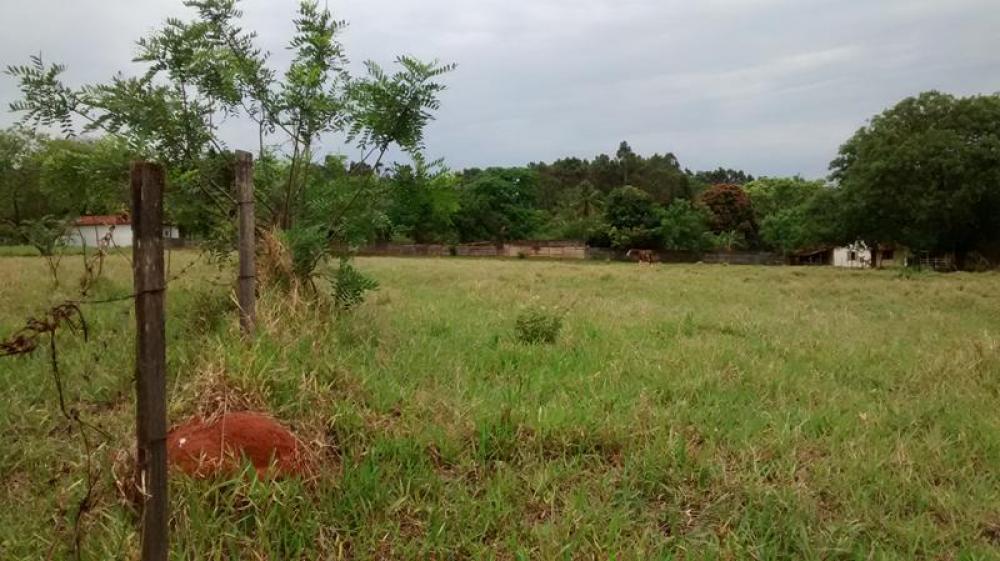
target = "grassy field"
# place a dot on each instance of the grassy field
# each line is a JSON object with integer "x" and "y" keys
{"x": 685, "y": 412}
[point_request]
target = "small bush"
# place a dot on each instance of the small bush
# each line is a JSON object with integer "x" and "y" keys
{"x": 538, "y": 324}
{"x": 350, "y": 285}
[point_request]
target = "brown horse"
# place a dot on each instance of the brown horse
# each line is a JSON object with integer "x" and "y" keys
{"x": 642, "y": 256}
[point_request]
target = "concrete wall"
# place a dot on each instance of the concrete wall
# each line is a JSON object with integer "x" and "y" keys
{"x": 548, "y": 250}
{"x": 567, "y": 250}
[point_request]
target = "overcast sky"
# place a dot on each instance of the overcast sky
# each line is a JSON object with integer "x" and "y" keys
{"x": 769, "y": 86}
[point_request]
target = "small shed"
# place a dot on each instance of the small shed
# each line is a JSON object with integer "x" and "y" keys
{"x": 88, "y": 231}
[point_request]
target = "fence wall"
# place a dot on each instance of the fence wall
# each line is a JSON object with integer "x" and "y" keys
{"x": 565, "y": 250}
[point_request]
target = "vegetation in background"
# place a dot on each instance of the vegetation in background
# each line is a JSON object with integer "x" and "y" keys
{"x": 782, "y": 208}
{"x": 731, "y": 213}
{"x": 422, "y": 202}
{"x": 498, "y": 204}
{"x": 685, "y": 226}
{"x": 633, "y": 218}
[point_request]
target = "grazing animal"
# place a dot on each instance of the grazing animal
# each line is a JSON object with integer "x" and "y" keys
{"x": 643, "y": 256}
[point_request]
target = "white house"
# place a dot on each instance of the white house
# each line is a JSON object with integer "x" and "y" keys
{"x": 859, "y": 256}
{"x": 90, "y": 230}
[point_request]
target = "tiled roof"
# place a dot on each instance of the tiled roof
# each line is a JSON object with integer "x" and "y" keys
{"x": 103, "y": 220}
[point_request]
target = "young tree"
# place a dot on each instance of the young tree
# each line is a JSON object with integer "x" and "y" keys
{"x": 48, "y": 235}
{"x": 203, "y": 71}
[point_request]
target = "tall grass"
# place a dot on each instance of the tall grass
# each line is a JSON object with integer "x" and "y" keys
{"x": 684, "y": 412}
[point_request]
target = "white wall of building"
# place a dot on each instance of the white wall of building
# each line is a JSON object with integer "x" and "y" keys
{"x": 854, "y": 256}
{"x": 91, "y": 236}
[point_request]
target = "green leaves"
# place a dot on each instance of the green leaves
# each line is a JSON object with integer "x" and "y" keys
{"x": 311, "y": 98}
{"x": 784, "y": 210}
{"x": 684, "y": 227}
{"x": 388, "y": 109}
{"x": 46, "y": 100}
{"x": 350, "y": 285}
{"x": 46, "y": 234}
{"x": 925, "y": 173}
{"x": 423, "y": 201}
{"x": 498, "y": 204}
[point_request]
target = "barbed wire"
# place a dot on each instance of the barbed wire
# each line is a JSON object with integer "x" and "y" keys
{"x": 184, "y": 271}
{"x": 69, "y": 315}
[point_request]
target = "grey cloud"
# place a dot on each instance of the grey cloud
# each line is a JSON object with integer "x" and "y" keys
{"x": 770, "y": 86}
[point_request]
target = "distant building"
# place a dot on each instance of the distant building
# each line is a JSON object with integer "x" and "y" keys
{"x": 90, "y": 230}
{"x": 859, "y": 256}
{"x": 853, "y": 256}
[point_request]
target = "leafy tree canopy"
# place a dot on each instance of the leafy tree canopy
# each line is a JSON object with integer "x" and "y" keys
{"x": 730, "y": 210}
{"x": 498, "y": 204}
{"x": 925, "y": 173}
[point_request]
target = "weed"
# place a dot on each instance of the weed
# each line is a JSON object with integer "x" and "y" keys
{"x": 538, "y": 324}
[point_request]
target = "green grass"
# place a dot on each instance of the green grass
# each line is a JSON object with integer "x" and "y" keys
{"x": 31, "y": 251}
{"x": 683, "y": 412}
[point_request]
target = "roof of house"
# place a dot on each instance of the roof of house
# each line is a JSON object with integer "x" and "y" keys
{"x": 812, "y": 251}
{"x": 104, "y": 220}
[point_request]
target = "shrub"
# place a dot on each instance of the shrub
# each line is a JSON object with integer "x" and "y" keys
{"x": 308, "y": 245}
{"x": 350, "y": 285}
{"x": 538, "y": 324}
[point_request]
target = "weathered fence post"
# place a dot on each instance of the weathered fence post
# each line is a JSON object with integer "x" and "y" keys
{"x": 150, "y": 357}
{"x": 248, "y": 272}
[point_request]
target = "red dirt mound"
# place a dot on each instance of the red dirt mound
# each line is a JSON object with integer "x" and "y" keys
{"x": 207, "y": 448}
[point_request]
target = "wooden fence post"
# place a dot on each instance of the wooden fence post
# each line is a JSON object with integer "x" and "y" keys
{"x": 150, "y": 358}
{"x": 248, "y": 271}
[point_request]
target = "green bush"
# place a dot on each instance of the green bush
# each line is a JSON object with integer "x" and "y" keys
{"x": 350, "y": 285}
{"x": 308, "y": 245}
{"x": 538, "y": 324}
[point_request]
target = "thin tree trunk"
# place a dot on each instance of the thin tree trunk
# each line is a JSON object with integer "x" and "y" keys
{"x": 286, "y": 213}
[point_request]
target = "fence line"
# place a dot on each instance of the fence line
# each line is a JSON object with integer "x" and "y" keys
{"x": 569, "y": 250}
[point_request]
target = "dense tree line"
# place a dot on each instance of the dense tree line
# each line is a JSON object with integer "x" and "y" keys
{"x": 925, "y": 174}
